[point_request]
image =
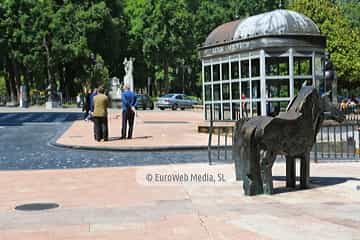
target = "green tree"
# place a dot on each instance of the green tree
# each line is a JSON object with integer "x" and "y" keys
{"x": 163, "y": 27}
{"x": 48, "y": 42}
{"x": 69, "y": 27}
{"x": 208, "y": 14}
{"x": 16, "y": 23}
{"x": 351, "y": 10}
{"x": 343, "y": 42}
{"x": 2, "y": 88}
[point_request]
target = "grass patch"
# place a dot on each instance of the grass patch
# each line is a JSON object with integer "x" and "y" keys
{"x": 2, "y": 86}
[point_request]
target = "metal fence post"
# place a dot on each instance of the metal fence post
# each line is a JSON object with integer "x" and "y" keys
{"x": 226, "y": 136}
{"x": 210, "y": 135}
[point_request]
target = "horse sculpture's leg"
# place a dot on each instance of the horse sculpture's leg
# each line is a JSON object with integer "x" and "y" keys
{"x": 252, "y": 182}
{"x": 290, "y": 172}
{"x": 267, "y": 159}
{"x": 305, "y": 171}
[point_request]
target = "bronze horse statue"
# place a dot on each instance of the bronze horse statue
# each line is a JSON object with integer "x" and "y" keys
{"x": 291, "y": 133}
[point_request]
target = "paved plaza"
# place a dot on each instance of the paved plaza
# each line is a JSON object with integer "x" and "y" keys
{"x": 269, "y": 87}
{"x": 155, "y": 195}
{"x": 154, "y": 130}
{"x": 117, "y": 203}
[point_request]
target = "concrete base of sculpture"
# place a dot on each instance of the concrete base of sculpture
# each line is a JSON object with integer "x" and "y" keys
{"x": 115, "y": 102}
{"x": 52, "y": 104}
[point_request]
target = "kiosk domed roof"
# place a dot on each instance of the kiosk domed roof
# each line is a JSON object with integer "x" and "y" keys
{"x": 278, "y": 22}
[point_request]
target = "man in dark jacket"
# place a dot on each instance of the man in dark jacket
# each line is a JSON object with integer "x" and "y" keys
{"x": 92, "y": 95}
{"x": 128, "y": 100}
{"x": 101, "y": 103}
{"x": 86, "y": 105}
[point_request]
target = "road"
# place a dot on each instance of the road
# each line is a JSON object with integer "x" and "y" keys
{"x": 25, "y": 144}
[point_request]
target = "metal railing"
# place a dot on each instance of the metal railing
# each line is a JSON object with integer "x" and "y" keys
{"x": 4, "y": 100}
{"x": 41, "y": 100}
{"x": 352, "y": 113}
{"x": 337, "y": 142}
{"x": 333, "y": 142}
{"x": 37, "y": 100}
{"x": 224, "y": 130}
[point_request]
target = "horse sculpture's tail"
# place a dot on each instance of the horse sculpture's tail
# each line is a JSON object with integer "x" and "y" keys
{"x": 246, "y": 157}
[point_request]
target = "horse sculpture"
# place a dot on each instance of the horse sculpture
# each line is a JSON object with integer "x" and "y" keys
{"x": 291, "y": 133}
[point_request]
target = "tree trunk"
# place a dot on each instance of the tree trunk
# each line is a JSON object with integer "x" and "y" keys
{"x": 27, "y": 79}
{"x": 7, "y": 81}
{"x": 67, "y": 79}
{"x": 62, "y": 78}
{"x": 48, "y": 62}
{"x": 166, "y": 76}
{"x": 11, "y": 82}
{"x": 17, "y": 77}
{"x": 7, "y": 85}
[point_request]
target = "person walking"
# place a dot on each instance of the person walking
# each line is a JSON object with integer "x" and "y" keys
{"x": 128, "y": 100}
{"x": 91, "y": 103}
{"x": 101, "y": 103}
{"x": 86, "y": 104}
{"x": 78, "y": 100}
{"x": 244, "y": 106}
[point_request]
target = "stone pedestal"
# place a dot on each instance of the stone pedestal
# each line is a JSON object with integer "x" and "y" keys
{"x": 115, "y": 93}
{"x": 52, "y": 104}
{"x": 115, "y": 102}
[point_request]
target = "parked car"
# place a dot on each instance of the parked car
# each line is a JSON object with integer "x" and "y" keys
{"x": 143, "y": 102}
{"x": 175, "y": 101}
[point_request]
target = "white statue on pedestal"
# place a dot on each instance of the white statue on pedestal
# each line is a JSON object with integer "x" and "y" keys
{"x": 129, "y": 67}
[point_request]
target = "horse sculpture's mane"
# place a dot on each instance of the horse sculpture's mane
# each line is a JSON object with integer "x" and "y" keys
{"x": 308, "y": 96}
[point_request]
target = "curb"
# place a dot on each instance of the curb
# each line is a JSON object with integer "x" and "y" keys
{"x": 131, "y": 149}
{"x": 53, "y": 143}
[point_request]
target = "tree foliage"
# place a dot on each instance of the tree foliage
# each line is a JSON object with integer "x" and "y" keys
{"x": 343, "y": 42}
{"x": 50, "y": 41}
{"x": 351, "y": 10}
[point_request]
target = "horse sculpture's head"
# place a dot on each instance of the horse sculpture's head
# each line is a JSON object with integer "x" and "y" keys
{"x": 330, "y": 110}
{"x": 308, "y": 98}
{"x": 314, "y": 108}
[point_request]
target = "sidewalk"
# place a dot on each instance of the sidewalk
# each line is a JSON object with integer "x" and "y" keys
{"x": 116, "y": 203}
{"x": 154, "y": 130}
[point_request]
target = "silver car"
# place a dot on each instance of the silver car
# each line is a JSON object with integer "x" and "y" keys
{"x": 175, "y": 101}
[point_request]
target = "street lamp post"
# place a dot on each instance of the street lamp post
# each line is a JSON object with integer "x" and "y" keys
{"x": 183, "y": 76}
{"x": 149, "y": 86}
{"x": 184, "y": 68}
{"x": 330, "y": 81}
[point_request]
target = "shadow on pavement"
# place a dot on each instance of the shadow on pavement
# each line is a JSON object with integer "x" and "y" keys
{"x": 315, "y": 182}
{"x": 119, "y": 138}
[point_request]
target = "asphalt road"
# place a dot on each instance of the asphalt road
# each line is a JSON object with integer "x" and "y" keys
{"x": 25, "y": 144}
